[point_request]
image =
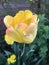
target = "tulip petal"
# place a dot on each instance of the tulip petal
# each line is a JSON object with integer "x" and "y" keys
{"x": 19, "y": 17}
{"x": 8, "y": 20}
{"x": 28, "y": 14}
{"x": 22, "y": 26}
{"x": 31, "y": 28}
{"x": 9, "y": 40}
{"x": 14, "y": 34}
{"x": 34, "y": 18}
{"x": 30, "y": 17}
{"x": 28, "y": 39}
{"x": 30, "y": 33}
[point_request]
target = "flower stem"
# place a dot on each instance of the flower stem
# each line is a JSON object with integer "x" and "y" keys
{"x": 18, "y": 60}
{"x": 23, "y": 50}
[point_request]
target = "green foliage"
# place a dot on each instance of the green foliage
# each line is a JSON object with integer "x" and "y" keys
{"x": 2, "y": 59}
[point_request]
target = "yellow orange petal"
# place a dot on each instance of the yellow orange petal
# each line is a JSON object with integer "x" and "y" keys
{"x": 28, "y": 39}
{"x": 14, "y": 34}
{"x": 30, "y": 17}
{"x": 31, "y": 28}
{"x": 8, "y": 60}
{"x": 33, "y": 19}
{"x": 13, "y": 56}
{"x": 13, "y": 61}
{"x": 19, "y": 17}
{"x": 28, "y": 14}
{"x": 22, "y": 26}
{"x": 9, "y": 40}
{"x": 8, "y": 20}
{"x": 30, "y": 33}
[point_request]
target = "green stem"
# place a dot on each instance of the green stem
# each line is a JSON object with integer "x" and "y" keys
{"x": 18, "y": 60}
{"x": 23, "y": 50}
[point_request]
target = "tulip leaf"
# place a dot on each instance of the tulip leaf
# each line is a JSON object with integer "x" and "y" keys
{"x": 16, "y": 48}
{"x": 2, "y": 59}
{"x": 39, "y": 61}
{"x": 7, "y": 53}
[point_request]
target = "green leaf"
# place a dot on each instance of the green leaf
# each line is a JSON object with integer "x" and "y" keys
{"x": 39, "y": 61}
{"x": 7, "y": 53}
{"x": 43, "y": 51}
{"x": 41, "y": 17}
{"x": 16, "y": 48}
{"x": 2, "y": 59}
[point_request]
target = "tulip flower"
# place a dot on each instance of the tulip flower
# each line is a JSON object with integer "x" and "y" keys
{"x": 21, "y": 28}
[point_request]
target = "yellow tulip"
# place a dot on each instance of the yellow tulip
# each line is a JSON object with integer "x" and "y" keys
{"x": 11, "y": 59}
{"x": 21, "y": 28}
